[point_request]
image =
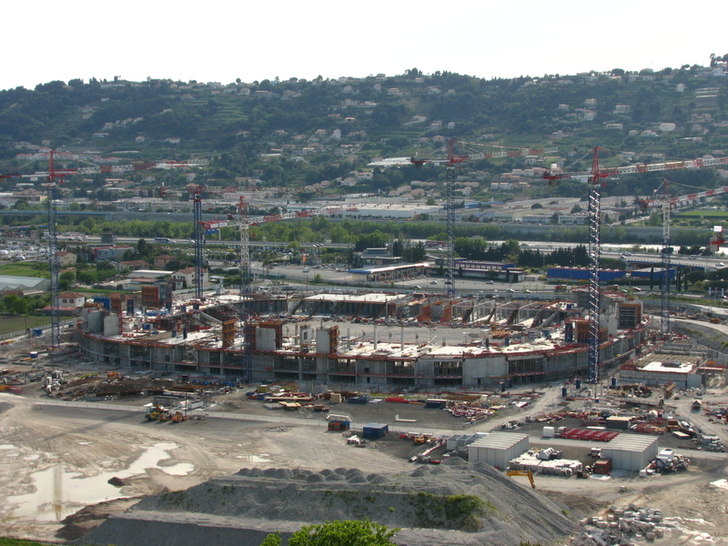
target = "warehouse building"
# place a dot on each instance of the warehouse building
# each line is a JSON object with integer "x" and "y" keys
{"x": 631, "y": 452}
{"x": 498, "y": 448}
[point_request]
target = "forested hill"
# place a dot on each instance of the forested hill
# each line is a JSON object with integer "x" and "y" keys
{"x": 299, "y": 132}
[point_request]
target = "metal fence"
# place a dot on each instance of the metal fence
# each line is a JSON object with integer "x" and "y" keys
{"x": 24, "y": 333}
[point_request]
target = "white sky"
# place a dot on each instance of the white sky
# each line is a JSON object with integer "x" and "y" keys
{"x": 221, "y": 40}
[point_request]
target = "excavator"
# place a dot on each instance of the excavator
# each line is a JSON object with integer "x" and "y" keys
{"x": 527, "y": 473}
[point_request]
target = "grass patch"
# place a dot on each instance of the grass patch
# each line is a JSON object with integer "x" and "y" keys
{"x": 703, "y": 213}
{"x": 25, "y": 269}
{"x": 462, "y": 512}
{"x": 14, "y": 323}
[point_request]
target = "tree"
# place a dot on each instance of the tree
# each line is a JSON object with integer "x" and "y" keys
{"x": 343, "y": 533}
{"x": 143, "y": 249}
{"x": 273, "y": 539}
{"x": 66, "y": 280}
{"x": 397, "y": 247}
{"x": 378, "y": 239}
{"x": 415, "y": 253}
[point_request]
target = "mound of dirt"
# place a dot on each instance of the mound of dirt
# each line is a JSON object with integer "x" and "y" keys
{"x": 432, "y": 504}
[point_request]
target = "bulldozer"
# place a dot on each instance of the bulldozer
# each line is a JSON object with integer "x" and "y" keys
{"x": 526, "y": 473}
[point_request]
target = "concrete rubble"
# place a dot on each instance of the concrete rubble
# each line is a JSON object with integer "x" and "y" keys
{"x": 621, "y": 526}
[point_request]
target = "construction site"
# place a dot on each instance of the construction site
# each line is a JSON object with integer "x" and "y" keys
{"x": 174, "y": 417}
{"x": 108, "y": 454}
{"x": 380, "y": 341}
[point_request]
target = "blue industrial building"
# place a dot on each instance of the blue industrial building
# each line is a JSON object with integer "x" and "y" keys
{"x": 582, "y": 274}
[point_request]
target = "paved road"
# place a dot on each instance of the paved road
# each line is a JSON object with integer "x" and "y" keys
{"x": 544, "y": 403}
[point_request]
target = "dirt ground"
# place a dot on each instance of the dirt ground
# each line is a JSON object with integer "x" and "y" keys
{"x": 94, "y": 442}
{"x": 51, "y": 456}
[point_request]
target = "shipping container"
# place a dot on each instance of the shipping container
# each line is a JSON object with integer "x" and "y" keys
{"x": 374, "y": 431}
{"x": 603, "y": 466}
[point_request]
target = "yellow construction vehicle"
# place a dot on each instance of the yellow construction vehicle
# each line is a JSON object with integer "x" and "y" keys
{"x": 527, "y": 473}
{"x": 157, "y": 413}
{"x": 178, "y": 417}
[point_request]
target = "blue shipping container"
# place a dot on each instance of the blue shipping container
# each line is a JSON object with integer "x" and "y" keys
{"x": 374, "y": 431}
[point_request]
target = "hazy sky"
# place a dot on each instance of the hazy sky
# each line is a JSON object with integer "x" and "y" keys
{"x": 216, "y": 40}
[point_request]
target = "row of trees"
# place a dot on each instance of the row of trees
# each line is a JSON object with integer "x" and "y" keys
{"x": 477, "y": 248}
{"x": 18, "y": 304}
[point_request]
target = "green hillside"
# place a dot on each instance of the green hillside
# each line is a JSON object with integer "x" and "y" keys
{"x": 299, "y": 133}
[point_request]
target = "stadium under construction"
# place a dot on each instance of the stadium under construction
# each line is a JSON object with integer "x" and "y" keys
{"x": 378, "y": 340}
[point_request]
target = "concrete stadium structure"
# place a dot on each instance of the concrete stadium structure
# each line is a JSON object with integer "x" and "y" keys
{"x": 515, "y": 341}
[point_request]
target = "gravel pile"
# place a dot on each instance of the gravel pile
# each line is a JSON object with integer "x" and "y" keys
{"x": 448, "y": 503}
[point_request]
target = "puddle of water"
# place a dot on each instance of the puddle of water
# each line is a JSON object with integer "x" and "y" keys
{"x": 262, "y": 458}
{"x": 59, "y": 493}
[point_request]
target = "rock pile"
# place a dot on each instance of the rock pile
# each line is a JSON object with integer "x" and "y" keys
{"x": 619, "y": 526}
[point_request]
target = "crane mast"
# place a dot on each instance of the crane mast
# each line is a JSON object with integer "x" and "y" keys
{"x": 245, "y": 277}
{"x": 244, "y": 226}
{"x": 197, "y": 213}
{"x": 54, "y": 178}
{"x": 665, "y": 253}
{"x": 53, "y": 258}
{"x": 594, "y": 251}
{"x": 450, "y": 221}
{"x": 450, "y": 162}
{"x": 594, "y": 178}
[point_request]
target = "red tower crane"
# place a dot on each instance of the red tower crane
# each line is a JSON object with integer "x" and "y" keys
{"x": 244, "y": 222}
{"x": 595, "y": 178}
{"x": 450, "y": 162}
{"x": 55, "y": 177}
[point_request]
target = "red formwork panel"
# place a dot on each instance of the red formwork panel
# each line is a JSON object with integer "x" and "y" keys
{"x": 589, "y": 434}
